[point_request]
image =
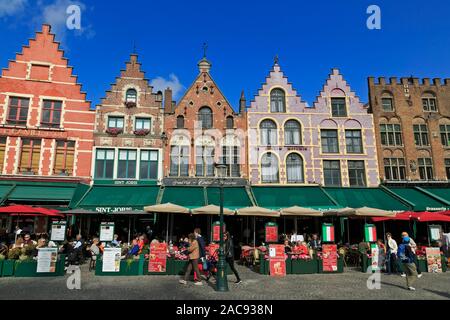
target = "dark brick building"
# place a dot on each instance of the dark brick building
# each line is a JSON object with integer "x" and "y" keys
{"x": 412, "y": 123}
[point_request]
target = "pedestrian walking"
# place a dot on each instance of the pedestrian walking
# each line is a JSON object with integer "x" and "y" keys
{"x": 392, "y": 263}
{"x": 194, "y": 255}
{"x": 407, "y": 256}
{"x": 413, "y": 246}
{"x": 229, "y": 255}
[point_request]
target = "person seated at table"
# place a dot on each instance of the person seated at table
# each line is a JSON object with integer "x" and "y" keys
{"x": 315, "y": 242}
{"x": 95, "y": 248}
{"x": 115, "y": 243}
{"x": 301, "y": 248}
{"x": 134, "y": 250}
{"x": 41, "y": 243}
{"x": 287, "y": 247}
{"x": 18, "y": 243}
{"x": 141, "y": 242}
{"x": 27, "y": 240}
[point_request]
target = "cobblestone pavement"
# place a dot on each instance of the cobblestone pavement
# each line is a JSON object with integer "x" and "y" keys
{"x": 349, "y": 285}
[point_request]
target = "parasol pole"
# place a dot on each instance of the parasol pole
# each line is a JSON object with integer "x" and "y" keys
{"x": 296, "y": 228}
{"x": 429, "y": 236}
{"x": 129, "y": 229}
{"x": 254, "y": 231}
{"x": 167, "y": 227}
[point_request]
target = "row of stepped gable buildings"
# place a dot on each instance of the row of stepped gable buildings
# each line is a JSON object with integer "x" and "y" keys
{"x": 49, "y": 135}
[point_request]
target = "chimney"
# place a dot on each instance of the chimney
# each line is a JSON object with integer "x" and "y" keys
{"x": 168, "y": 101}
{"x": 242, "y": 103}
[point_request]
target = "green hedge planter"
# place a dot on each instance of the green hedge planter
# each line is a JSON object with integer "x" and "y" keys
{"x": 169, "y": 269}
{"x": 1, "y": 268}
{"x": 27, "y": 269}
{"x": 340, "y": 266}
{"x": 179, "y": 268}
{"x": 301, "y": 266}
{"x": 128, "y": 267}
{"x": 8, "y": 268}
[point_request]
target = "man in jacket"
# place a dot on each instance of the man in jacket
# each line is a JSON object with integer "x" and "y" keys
{"x": 407, "y": 257}
{"x": 194, "y": 255}
{"x": 413, "y": 246}
{"x": 229, "y": 255}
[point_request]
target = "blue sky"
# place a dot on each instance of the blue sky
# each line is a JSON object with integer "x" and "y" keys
{"x": 310, "y": 38}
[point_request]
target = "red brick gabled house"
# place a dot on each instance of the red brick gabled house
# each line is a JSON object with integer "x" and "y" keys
{"x": 46, "y": 124}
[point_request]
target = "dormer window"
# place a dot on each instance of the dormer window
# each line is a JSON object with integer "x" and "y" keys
{"x": 338, "y": 107}
{"x": 277, "y": 101}
{"x": 131, "y": 98}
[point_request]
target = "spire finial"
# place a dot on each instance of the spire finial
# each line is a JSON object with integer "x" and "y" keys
{"x": 134, "y": 47}
{"x": 205, "y": 48}
{"x": 275, "y": 59}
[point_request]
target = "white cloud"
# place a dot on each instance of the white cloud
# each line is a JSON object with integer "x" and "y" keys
{"x": 160, "y": 84}
{"x": 55, "y": 14}
{"x": 11, "y": 7}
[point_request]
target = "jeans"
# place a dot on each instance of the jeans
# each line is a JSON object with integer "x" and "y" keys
{"x": 230, "y": 262}
{"x": 416, "y": 262}
{"x": 192, "y": 264}
{"x": 392, "y": 263}
{"x": 411, "y": 273}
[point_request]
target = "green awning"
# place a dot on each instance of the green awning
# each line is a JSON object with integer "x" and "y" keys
{"x": 442, "y": 193}
{"x": 42, "y": 193}
{"x": 112, "y": 198}
{"x": 5, "y": 189}
{"x": 366, "y": 197}
{"x": 233, "y": 197}
{"x": 276, "y": 198}
{"x": 420, "y": 200}
{"x": 188, "y": 197}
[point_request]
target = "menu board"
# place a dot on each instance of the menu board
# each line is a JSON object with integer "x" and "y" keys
{"x": 107, "y": 231}
{"x": 46, "y": 260}
{"x": 435, "y": 233}
{"x": 329, "y": 258}
{"x": 277, "y": 261}
{"x": 111, "y": 260}
{"x": 58, "y": 232}
{"x": 216, "y": 231}
{"x": 434, "y": 261}
{"x": 158, "y": 257}
{"x": 271, "y": 232}
{"x": 375, "y": 252}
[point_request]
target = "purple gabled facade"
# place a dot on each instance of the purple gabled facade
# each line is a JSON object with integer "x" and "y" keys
{"x": 294, "y": 148}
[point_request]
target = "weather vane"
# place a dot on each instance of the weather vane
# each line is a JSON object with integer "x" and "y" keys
{"x": 275, "y": 59}
{"x": 205, "y": 47}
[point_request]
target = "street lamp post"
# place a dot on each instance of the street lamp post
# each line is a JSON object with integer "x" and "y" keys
{"x": 222, "y": 282}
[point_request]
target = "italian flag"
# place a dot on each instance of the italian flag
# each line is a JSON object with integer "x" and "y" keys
{"x": 371, "y": 233}
{"x": 327, "y": 233}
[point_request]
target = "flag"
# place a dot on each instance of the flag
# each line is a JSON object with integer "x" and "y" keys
{"x": 370, "y": 233}
{"x": 327, "y": 233}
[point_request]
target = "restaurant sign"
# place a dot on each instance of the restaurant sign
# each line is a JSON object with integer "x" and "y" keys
{"x": 113, "y": 209}
{"x": 204, "y": 182}
{"x": 33, "y": 133}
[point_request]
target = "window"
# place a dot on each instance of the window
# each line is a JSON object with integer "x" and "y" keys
{"x": 230, "y": 122}
{"x": 51, "y": 114}
{"x": 65, "y": 154}
{"x": 204, "y": 163}
{"x": 391, "y": 135}
{"x": 357, "y": 173}
{"x": 148, "y": 166}
{"x": 115, "y": 122}
{"x": 394, "y": 169}
{"x": 2, "y": 152}
{"x": 447, "y": 168}
{"x": 338, "y": 107}
{"x": 330, "y": 142}
{"x": 18, "y": 111}
{"x": 292, "y": 135}
{"x": 126, "y": 168}
{"x": 30, "y": 156}
{"x": 179, "y": 161}
{"x": 429, "y": 104}
{"x": 142, "y": 124}
{"x": 294, "y": 168}
{"x": 269, "y": 169}
{"x": 205, "y": 117}
{"x": 180, "y": 122}
{"x": 277, "y": 101}
{"x": 421, "y": 135}
{"x": 131, "y": 96}
{"x": 269, "y": 135}
{"x": 332, "y": 173}
{"x": 425, "y": 168}
{"x": 104, "y": 164}
{"x": 230, "y": 157}
{"x": 354, "y": 141}
{"x": 445, "y": 135}
{"x": 388, "y": 104}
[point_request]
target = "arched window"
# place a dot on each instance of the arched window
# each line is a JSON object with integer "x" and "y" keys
{"x": 269, "y": 135}
{"x": 294, "y": 168}
{"x": 230, "y": 122}
{"x": 429, "y": 102}
{"x": 269, "y": 168}
{"x": 277, "y": 101}
{"x": 131, "y": 95}
{"x": 180, "y": 122}
{"x": 292, "y": 135}
{"x": 205, "y": 117}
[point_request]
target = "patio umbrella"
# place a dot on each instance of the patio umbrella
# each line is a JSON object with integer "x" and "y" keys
{"x": 257, "y": 212}
{"x": 371, "y": 212}
{"x": 446, "y": 213}
{"x": 430, "y": 216}
{"x": 80, "y": 212}
{"x": 401, "y": 216}
{"x": 301, "y": 212}
{"x": 19, "y": 209}
{"x": 339, "y": 212}
{"x": 212, "y": 210}
{"x": 166, "y": 208}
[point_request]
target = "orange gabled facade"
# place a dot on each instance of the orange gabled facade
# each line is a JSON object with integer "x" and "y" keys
{"x": 46, "y": 124}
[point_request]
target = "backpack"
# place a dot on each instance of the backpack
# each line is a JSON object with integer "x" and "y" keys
{"x": 401, "y": 253}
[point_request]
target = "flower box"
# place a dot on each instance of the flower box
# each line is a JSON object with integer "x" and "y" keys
{"x": 114, "y": 131}
{"x": 28, "y": 268}
{"x": 142, "y": 132}
{"x": 130, "y": 104}
{"x": 304, "y": 266}
{"x": 340, "y": 266}
{"x": 128, "y": 267}
{"x": 1, "y": 267}
{"x": 8, "y": 268}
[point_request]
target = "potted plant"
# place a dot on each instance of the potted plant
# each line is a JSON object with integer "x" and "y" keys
{"x": 114, "y": 131}
{"x": 130, "y": 104}
{"x": 141, "y": 132}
